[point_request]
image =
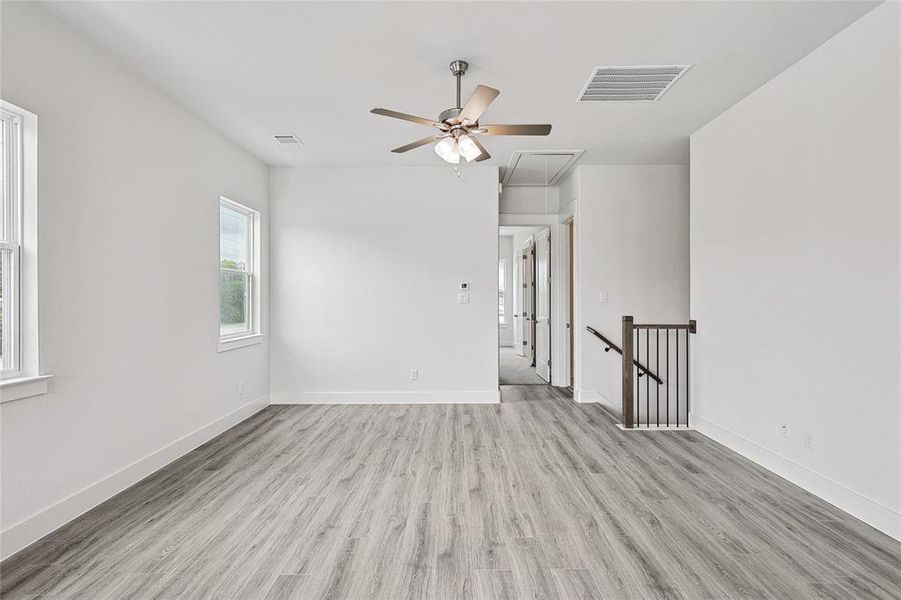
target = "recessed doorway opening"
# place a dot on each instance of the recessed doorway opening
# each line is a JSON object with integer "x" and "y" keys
{"x": 524, "y": 305}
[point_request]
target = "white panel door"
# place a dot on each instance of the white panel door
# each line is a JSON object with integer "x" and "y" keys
{"x": 543, "y": 305}
{"x": 528, "y": 310}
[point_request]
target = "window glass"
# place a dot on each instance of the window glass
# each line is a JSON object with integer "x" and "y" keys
{"x": 233, "y": 239}
{"x": 234, "y": 316}
{"x": 4, "y": 312}
{"x": 236, "y": 284}
{"x": 4, "y": 196}
{"x": 9, "y": 245}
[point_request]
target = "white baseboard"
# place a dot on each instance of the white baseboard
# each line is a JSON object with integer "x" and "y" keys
{"x": 587, "y": 396}
{"x": 883, "y": 518}
{"x": 25, "y": 532}
{"x": 403, "y": 397}
{"x": 591, "y": 396}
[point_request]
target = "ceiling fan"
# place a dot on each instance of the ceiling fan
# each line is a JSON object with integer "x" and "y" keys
{"x": 459, "y": 126}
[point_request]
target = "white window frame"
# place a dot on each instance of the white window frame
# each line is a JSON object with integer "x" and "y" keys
{"x": 502, "y": 292}
{"x": 20, "y": 375}
{"x": 253, "y": 334}
{"x": 11, "y": 244}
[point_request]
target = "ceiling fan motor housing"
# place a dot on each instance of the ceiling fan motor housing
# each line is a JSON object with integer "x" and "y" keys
{"x": 450, "y": 113}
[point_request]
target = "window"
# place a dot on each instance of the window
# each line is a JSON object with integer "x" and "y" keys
{"x": 502, "y": 291}
{"x": 238, "y": 281}
{"x": 10, "y": 242}
{"x": 20, "y": 375}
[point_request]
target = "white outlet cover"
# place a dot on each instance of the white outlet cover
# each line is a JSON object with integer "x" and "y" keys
{"x": 463, "y": 298}
{"x": 603, "y": 297}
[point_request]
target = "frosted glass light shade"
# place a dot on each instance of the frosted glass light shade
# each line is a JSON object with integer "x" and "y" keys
{"x": 468, "y": 148}
{"x": 448, "y": 149}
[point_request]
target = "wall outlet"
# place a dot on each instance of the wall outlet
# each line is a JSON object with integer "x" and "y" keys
{"x": 463, "y": 298}
{"x": 414, "y": 374}
{"x": 785, "y": 430}
{"x": 808, "y": 440}
{"x": 240, "y": 388}
{"x": 603, "y": 297}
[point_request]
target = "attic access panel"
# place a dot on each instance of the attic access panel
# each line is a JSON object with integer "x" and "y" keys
{"x": 539, "y": 167}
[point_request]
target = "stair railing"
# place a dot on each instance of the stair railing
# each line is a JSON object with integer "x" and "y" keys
{"x": 668, "y": 406}
{"x": 642, "y": 370}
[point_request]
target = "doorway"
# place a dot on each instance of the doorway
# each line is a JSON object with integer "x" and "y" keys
{"x": 524, "y": 305}
{"x": 570, "y": 302}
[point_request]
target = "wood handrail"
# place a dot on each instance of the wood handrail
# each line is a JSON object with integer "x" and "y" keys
{"x": 690, "y": 327}
{"x": 612, "y": 345}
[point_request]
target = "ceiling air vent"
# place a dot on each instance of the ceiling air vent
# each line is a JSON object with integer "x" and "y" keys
{"x": 642, "y": 83}
{"x": 286, "y": 139}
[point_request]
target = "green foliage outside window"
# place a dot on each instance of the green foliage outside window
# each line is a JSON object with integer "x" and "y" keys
{"x": 232, "y": 294}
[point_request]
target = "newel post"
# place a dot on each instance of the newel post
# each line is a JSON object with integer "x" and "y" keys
{"x": 628, "y": 373}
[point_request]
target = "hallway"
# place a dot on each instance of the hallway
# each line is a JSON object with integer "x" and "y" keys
{"x": 516, "y": 370}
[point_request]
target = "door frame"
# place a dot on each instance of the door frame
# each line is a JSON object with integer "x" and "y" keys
{"x": 570, "y": 293}
{"x": 560, "y": 295}
{"x": 549, "y": 318}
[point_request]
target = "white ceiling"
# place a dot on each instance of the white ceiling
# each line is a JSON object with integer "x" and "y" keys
{"x": 255, "y": 69}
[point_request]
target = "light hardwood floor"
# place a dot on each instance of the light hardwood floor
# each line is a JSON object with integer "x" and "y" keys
{"x": 537, "y": 497}
{"x": 514, "y": 369}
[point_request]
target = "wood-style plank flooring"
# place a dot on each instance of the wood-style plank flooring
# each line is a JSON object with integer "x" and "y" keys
{"x": 537, "y": 497}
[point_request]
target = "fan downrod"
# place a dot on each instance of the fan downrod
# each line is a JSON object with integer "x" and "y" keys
{"x": 458, "y": 68}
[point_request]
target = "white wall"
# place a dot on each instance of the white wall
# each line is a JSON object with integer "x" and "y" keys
{"x": 366, "y": 266}
{"x": 631, "y": 234}
{"x": 534, "y": 200}
{"x": 568, "y": 192}
{"x": 795, "y": 272}
{"x": 129, "y": 185}
{"x": 505, "y": 250}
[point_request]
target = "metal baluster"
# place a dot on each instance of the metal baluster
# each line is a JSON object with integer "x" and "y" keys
{"x": 667, "y": 377}
{"x": 657, "y": 368}
{"x": 677, "y": 378}
{"x": 638, "y": 378}
{"x": 647, "y": 382}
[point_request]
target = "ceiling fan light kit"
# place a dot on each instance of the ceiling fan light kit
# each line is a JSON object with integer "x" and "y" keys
{"x": 451, "y": 149}
{"x": 459, "y": 126}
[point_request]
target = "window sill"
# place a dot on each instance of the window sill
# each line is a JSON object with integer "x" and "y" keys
{"x": 241, "y": 342}
{"x": 23, "y": 387}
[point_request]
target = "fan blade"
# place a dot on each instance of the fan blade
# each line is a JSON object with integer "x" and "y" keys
{"x": 416, "y": 144}
{"x": 484, "y": 155}
{"x": 478, "y": 103}
{"x": 399, "y": 115}
{"x": 515, "y": 129}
